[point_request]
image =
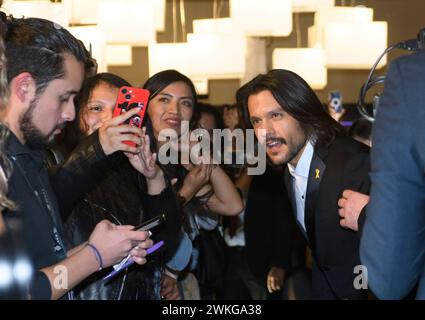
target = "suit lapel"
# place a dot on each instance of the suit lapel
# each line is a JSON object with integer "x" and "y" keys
{"x": 288, "y": 182}
{"x": 316, "y": 172}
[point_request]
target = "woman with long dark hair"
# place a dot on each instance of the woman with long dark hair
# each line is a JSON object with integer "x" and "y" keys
{"x": 173, "y": 100}
{"x": 204, "y": 189}
{"x": 130, "y": 191}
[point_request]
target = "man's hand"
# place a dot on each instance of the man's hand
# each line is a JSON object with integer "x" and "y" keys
{"x": 275, "y": 279}
{"x": 351, "y": 205}
{"x": 116, "y": 242}
{"x": 112, "y": 135}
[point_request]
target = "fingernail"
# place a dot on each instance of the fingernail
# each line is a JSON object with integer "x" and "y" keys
{"x": 149, "y": 233}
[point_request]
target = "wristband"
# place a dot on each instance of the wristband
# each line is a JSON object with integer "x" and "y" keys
{"x": 97, "y": 254}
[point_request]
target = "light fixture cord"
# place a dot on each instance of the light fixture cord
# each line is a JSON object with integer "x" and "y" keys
{"x": 297, "y": 29}
{"x": 183, "y": 19}
{"x": 220, "y": 8}
{"x": 174, "y": 20}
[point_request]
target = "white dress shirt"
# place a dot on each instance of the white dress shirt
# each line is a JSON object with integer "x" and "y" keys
{"x": 299, "y": 180}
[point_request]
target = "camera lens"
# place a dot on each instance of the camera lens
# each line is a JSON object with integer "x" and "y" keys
{"x": 124, "y": 91}
{"x": 128, "y": 96}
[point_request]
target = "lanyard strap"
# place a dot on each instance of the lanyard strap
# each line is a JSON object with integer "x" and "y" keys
{"x": 44, "y": 201}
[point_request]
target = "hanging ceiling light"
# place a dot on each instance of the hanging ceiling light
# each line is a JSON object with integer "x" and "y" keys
{"x": 159, "y": 14}
{"x": 56, "y": 12}
{"x": 218, "y": 25}
{"x": 82, "y": 11}
{"x": 132, "y": 23}
{"x": 255, "y": 58}
{"x": 211, "y": 56}
{"x": 247, "y": 63}
{"x": 308, "y": 63}
{"x": 94, "y": 40}
{"x": 337, "y": 14}
{"x": 178, "y": 56}
{"x": 310, "y": 5}
{"x": 210, "y": 45}
{"x": 163, "y": 56}
{"x": 86, "y": 12}
{"x": 205, "y": 56}
{"x": 349, "y": 37}
{"x": 262, "y": 18}
{"x": 118, "y": 55}
{"x": 355, "y": 45}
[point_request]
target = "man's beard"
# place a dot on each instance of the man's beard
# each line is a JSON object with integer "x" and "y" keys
{"x": 293, "y": 151}
{"x": 33, "y": 137}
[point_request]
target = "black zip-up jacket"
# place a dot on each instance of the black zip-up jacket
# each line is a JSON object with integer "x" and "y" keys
{"x": 45, "y": 199}
{"x": 41, "y": 198}
{"x": 119, "y": 195}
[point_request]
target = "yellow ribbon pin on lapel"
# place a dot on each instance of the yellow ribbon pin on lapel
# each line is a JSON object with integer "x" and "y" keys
{"x": 317, "y": 174}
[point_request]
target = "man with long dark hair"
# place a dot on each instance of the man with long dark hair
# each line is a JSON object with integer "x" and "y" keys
{"x": 320, "y": 162}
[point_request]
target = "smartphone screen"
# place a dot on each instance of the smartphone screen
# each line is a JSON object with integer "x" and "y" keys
{"x": 152, "y": 223}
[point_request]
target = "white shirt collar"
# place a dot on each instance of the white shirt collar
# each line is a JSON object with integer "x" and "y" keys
{"x": 303, "y": 166}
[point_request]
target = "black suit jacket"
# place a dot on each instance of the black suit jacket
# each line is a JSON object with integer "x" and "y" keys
{"x": 342, "y": 165}
{"x": 271, "y": 235}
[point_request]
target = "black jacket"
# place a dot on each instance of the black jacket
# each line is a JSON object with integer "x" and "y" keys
{"x": 271, "y": 236}
{"x": 135, "y": 283}
{"x": 342, "y": 165}
{"x": 118, "y": 197}
{"x": 41, "y": 198}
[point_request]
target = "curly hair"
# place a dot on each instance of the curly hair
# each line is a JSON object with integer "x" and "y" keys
{"x": 4, "y": 88}
{"x": 38, "y": 46}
